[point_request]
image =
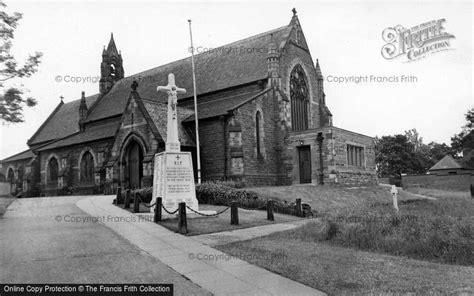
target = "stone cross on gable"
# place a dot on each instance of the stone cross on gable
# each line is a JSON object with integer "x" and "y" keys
{"x": 172, "y": 140}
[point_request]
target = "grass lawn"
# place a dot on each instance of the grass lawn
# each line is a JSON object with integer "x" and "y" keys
{"x": 439, "y": 192}
{"x": 330, "y": 199}
{"x": 205, "y": 225}
{"x": 344, "y": 271}
{"x": 372, "y": 256}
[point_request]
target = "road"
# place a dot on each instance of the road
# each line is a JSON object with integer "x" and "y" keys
{"x": 50, "y": 240}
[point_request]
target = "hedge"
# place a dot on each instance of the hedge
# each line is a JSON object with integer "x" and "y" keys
{"x": 224, "y": 193}
{"x": 220, "y": 194}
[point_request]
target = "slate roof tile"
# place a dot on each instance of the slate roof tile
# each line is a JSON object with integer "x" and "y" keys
{"x": 159, "y": 114}
{"x": 234, "y": 64}
{"x": 446, "y": 163}
{"x": 90, "y": 134}
{"x": 61, "y": 123}
{"x": 19, "y": 156}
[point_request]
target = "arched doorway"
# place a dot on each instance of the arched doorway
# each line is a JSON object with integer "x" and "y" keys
{"x": 133, "y": 165}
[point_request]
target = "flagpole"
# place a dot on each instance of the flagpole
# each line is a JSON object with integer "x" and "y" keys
{"x": 198, "y": 150}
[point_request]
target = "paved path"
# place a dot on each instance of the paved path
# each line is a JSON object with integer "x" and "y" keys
{"x": 50, "y": 240}
{"x": 4, "y": 203}
{"x": 226, "y": 237}
{"x": 203, "y": 265}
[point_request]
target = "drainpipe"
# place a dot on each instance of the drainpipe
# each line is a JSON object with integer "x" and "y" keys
{"x": 224, "y": 129}
{"x": 320, "y": 139}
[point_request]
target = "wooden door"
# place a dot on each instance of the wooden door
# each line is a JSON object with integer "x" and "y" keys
{"x": 135, "y": 165}
{"x": 304, "y": 154}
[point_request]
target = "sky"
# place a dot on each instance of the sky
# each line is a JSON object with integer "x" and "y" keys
{"x": 431, "y": 94}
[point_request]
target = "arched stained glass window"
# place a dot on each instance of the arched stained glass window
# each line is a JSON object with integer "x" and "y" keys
{"x": 53, "y": 170}
{"x": 87, "y": 166}
{"x": 299, "y": 95}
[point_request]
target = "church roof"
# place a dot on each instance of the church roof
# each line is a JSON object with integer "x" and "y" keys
{"x": 223, "y": 105}
{"x": 230, "y": 65}
{"x": 90, "y": 134}
{"x": 446, "y": 163}
{"x": 63, "y": 121}
{"x": 159, "y": 114}
{"x": 19, "y": 156}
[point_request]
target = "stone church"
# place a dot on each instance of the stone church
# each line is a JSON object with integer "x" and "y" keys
{"x": 262, "y": 119}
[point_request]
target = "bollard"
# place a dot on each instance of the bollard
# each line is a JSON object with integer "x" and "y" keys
{"x": 182, "y": 223}
{"x": 127, "y": 199}
{"x": 472, "y": 191}
{"x": 136, "y": 202}
{"x": 157, "y": 217}
{"x": 270, "y": 210}
{"x": 234, "y": 214}
{"x": 118, "y": 198}
{"x": 299, "y": 211}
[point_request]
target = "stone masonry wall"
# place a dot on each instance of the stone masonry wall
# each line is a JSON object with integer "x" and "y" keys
{"x": 68, "y": 158}
{"x": 260, "y": 168}
{"x": 334, "y": 149}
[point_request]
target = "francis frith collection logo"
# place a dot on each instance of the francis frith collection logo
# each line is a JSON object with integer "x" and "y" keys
{"x": 416, "y": 42}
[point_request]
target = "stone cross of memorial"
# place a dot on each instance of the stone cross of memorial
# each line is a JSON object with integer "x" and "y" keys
{"x": 172, "y": 140}
{"x": 173, "y": 177}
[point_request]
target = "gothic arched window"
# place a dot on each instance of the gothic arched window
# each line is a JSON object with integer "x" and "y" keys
{"x": 299, "y": 99}
{"x": 52, "y": 170}
{"x": 87, "y": 166}
{"x": 258, "y": 136}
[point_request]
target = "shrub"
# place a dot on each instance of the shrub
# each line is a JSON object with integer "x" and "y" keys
{"x": 146, "y": 194}
{"x": 218, "y": 193}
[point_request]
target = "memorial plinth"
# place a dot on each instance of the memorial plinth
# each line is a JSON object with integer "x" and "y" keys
{"x": 174, "y": 180}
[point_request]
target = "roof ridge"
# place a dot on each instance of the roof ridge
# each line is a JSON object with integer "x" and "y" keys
{"x": 6, "y": 158}
{"x": 44, "y": 123}
{"x": 203, "y": 53}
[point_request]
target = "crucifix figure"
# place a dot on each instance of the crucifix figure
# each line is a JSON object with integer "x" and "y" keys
{"x": 172, "y": 140}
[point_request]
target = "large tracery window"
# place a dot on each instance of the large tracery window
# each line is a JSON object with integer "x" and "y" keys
{"x": 52, "y": 170}
{"x": 87, "y": 166}
{"x": 299, "y": 99}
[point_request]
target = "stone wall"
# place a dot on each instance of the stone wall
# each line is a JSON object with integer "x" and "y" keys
{"x": 259, "y": 168}
{"x": 26, "y": 175}
{"x": 334, "y": 165}
{"x": 213, "y": 164}
{"x": 133, "y": 127}
{"x": 69, "y": 181}
{"x": 291, "y": 56}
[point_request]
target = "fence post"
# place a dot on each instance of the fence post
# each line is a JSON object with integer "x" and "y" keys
{"x": 182, "y": 223}
{"x": 118, "y": 198}
{"x": 136, "y": 202}
{"x": 299, "y": 211}
{"x": 127, "y": 199}
{"x": 472, "y": 191}
{"x": 158, "y": 204}
{"x": 270, "y": 210}
{"x": 234, "y": 213}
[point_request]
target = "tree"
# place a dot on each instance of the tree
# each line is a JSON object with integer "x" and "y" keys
{"x": 414, "y": 137}
{"x": 438, "y": 151}
{"x": 465, "y": 139}
{"x": 394, "y": 155}
{"x": 12, "y": 99}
